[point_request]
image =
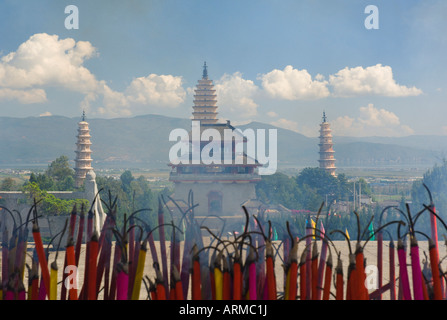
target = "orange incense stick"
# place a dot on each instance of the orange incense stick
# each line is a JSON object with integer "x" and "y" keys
{"x": 195, "y": 277}
{"x": 302, "y": 267}
{"x": 293, "y": 272}
{"x": 361, "y": 277}
{"x": 339, "y": 280}
{"x": 161, "y": 291}
{"x": 270, "y": 270}
{"x": 327, "y": 277}
{"x": 434, "y": 263}
{"x": 226, "y": 291}
{"x": 178, "y": 284}
{"x": 71, "y": 262}
{"x": 237, "y": 278}
{"x": 314, "y": 264}
{"x": 351, "y": 286}
{"x": 91, "y": 286}
{"x": 42, "y": 257}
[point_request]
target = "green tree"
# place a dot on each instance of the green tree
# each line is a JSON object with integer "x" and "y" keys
{"x": 44, "y": 181}
{"x": 327, "y": 187}
{"x": 364, "y": 186}
{"x": 279, "y": 189}
{"x": 8, "y": 184}
{"x": 132, "y": 194}
{"x": 60, "y": 172}
{"x": 58, "y": 176}
{"x": 60, "y": 169}
{"x": 48, "y": 204}
{"x": 126, "y": 179}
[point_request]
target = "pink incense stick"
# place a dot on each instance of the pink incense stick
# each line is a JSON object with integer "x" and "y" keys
{"x": 403, "y": 271}
{"x": 418, "y": 290}
{"x": 122, "y": 285}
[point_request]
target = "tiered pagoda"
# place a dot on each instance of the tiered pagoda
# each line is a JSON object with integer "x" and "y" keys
{"x": 205, "y": 100}
{"x": 327, "y": 159}
{"x": 83, "y": 161}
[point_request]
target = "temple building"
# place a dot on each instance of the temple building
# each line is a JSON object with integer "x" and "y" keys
{"x": 327, "y": 159}
{"x": 222, "y": 188}
{"x": 83, "y": 160}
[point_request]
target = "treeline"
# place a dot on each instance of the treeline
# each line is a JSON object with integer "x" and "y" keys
{"x": 307, "y": 190}
{"x": 312, "y": 186}
{"x": 435, "y": 181}
{"x": 57, "y": 177}
{"x": 132, "y": 194}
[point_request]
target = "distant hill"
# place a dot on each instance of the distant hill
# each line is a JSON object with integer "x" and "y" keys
{"x": 143, "y": 142}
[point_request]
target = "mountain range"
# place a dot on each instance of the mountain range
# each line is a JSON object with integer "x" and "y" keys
{"x": 143, "y": 142}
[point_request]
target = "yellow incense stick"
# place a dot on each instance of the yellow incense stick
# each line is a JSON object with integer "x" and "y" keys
{"x": 139, "y": 273}
{"x": 218, "y": 279}
{"x": 53, "y": 281}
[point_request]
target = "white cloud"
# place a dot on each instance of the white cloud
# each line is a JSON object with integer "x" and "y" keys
{"x": 294, "y": 84}
{"x": 46, "y": 61}
{"x": 309, "y": 131}
{"x": 373, "y": 80}
{"x": 160, "y": 90}
{"x": 46, "y": 114}
{"x": 235, "y": 96}
{"x": 371, "y": 122}
{"x": 27, "y": 96}
{"x": 285, "y": 124}
{"x": 114, "y": 103}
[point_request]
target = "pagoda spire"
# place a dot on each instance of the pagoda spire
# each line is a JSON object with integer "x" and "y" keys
{"x": 205, "y": 71}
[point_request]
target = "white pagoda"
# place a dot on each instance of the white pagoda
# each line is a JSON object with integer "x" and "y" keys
{"x": 327, "y": 159}
{"x": 83, "y": 161}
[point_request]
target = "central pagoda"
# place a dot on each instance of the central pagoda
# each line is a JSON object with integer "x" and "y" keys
{"x": 219, "y": 189}
{"x": 205, "y": 100}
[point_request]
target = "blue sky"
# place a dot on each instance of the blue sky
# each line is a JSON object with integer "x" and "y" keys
{"x": 278, "y": 62}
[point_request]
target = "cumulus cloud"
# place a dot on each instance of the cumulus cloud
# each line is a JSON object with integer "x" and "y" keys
{"x": 373, "y": 80}
{"x": 23, "y": 96}
{"x": 163, "y": 90}
{"x": 371, "y": 122}
{"x": 235, "y": 95}
{"x": 46, "y": 114}
{"x": 272, "y": 114}
{"x": 285, "y": 124}
{"x": 294, "y": 84}
{"x": 114, "y": 103}
{"x": 47, "y": 61}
